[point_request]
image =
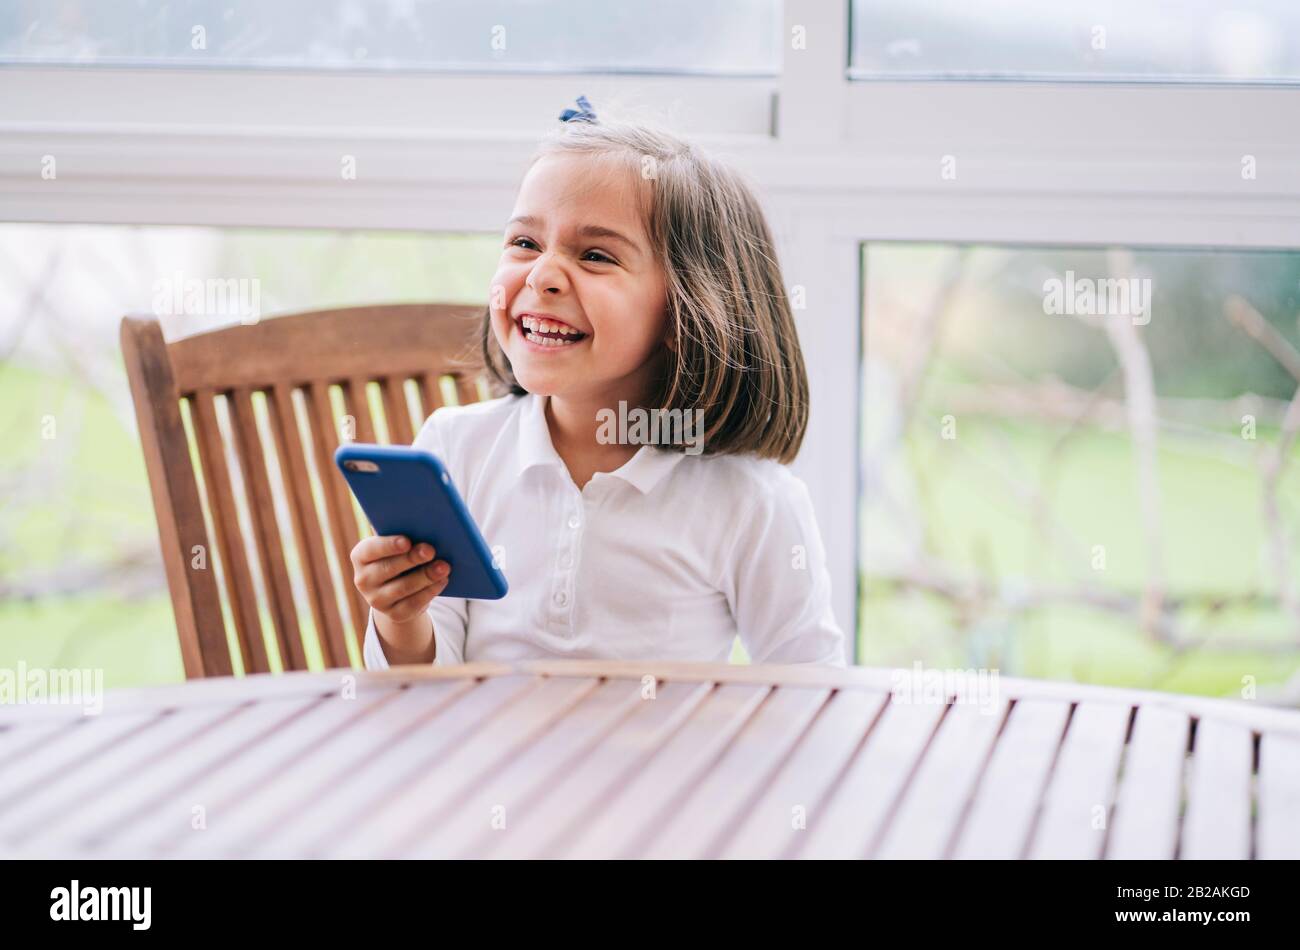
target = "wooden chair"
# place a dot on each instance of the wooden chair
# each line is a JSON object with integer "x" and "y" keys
{"x": 297, "y": 377}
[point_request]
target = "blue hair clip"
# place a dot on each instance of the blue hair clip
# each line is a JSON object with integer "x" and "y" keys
{"x": 583, "y": 113}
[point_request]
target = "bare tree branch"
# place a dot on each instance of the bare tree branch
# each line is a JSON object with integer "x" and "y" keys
{"x": 1140, "y": 393}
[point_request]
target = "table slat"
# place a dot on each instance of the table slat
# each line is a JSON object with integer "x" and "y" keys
{"x": 1217, "y": 821}
{"x": 639, "y": 810}
{"x": 492, "y": 807}
{"x": 113, "y": 764}
{"x": 541, "y": 826}
{"x": 718, "y": 802}
{"x": 1150, "y": 790}
{"x": 1079, "y": 797}
{"x": 429, "y": 796}
{"x": 158, "y": 781}
{"x": 251, "y": 825}
{"x": 1008, "y": 796}
{"x": 385, "y": 746}
{"x": 1278, "y": 830}
{"x": 17, "y": 741}
{"x": 777, "y": 823}
{"x": 929, "y": 816}
{"x": 848, "y": 825}
{"x": 223, "y": 793}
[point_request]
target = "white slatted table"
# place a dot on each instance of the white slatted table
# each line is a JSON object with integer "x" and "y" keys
{"x": 593, "y": 759}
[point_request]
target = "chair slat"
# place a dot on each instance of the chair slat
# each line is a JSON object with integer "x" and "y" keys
{"x": 466, "y": 390}
{"x": 307, "y": 530}
{"x": 270, "y": 550}
{"x": 430, "y": 393}
{"x": 396, "y": 410}
{"x": 156, "y": 394}
{"x": 358, "y": 406}
{"x": 230, "y": 539}
{"x": 338, "y": 504}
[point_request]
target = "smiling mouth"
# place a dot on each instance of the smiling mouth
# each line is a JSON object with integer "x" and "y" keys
{"x": 548, "y": 333}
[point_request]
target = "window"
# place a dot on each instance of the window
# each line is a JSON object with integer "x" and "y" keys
{"x": 1082, "y": 463}
{"x": 1129, "y": 40}
{"x": 675, "y": 36}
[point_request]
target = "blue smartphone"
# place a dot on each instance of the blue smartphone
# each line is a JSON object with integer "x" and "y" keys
{"x": 408, "y": 491}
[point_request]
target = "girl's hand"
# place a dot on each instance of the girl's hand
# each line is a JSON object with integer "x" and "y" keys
{"x": 396, "y": 580}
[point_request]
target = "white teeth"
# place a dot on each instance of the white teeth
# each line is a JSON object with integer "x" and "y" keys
{"x": 533, "y": 327}
{"x": 546, "y": 341}
{"x": 547, "y": 326}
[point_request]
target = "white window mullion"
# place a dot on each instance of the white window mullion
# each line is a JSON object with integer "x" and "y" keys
{"x": 820, "y": 267}
{"x": 814, "y": 78}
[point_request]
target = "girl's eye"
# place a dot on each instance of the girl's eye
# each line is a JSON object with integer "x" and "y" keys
{"x": 528, "y": 244}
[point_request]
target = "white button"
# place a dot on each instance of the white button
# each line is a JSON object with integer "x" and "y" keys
{"x": 566, "y": 561}
{"x": 561, "y": 598}
{"x": 574, "y": 522}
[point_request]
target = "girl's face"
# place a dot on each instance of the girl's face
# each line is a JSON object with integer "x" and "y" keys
{"x": 578, "y": 300}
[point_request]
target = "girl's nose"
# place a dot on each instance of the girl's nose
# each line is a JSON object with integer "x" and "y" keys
{"x": 546, "y": 276}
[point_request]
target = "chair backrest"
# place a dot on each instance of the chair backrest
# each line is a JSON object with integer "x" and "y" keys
{"x": 257, "y": 411}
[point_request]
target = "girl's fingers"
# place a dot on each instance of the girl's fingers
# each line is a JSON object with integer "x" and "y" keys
{"x": 377, "y": 573}
{"x": 373, "y": 549}
{"x": 429, "y": 581}
{"x": 413, "y": 605}
{"x": 389, "y": 594}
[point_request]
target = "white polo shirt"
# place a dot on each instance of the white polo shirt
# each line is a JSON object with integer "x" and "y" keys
{"x": 667, "y": 558}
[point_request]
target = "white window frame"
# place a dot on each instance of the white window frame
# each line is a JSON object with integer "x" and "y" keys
{"x": 839, "y": 163}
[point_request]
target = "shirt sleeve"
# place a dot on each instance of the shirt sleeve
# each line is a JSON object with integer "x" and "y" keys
{"x": 777, "y": 582}
{"x": 450, "y": 615}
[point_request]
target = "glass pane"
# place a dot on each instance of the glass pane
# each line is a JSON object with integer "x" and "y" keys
{"x": 674, "y": 36}
{"x": 1082, "y": 464}
{"x": 81, "y": 574}
{"x": 1132, "y": 40}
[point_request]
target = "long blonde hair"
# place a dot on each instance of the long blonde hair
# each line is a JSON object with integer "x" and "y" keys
{"x": 736, "y": 355}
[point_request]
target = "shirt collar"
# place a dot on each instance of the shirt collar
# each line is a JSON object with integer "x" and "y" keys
{"x": 642, "y": 471}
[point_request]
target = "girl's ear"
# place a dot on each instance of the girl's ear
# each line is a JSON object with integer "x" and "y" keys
{"x": 670, "y": 340}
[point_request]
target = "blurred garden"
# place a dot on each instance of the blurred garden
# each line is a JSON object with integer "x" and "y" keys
{"x": 1110, "y": 498}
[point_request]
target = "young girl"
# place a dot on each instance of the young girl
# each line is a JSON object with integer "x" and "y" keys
{"x": 637, "y": 273}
